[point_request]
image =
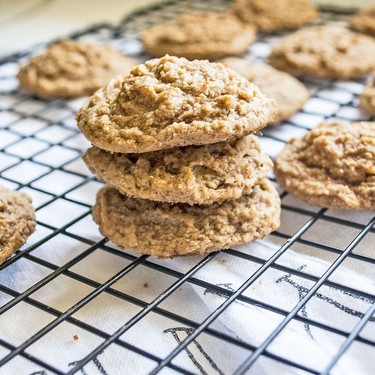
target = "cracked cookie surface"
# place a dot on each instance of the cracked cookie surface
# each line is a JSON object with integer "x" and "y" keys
{"x": 171, "y": 102}
{"x": 325, "y": 52}
{"x": 72, "y": 68}
{"x": 290, "y": 94}
{"x": 167, "y": 230}
{"x": 276, "y": 15}
{"x": 204, "y": 35}
{"x": 331, "y": 166}
{"x": 17, "y": 221}
{"x": 192, "y": 174}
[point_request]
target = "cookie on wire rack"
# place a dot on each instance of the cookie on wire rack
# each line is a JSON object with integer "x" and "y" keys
{"x": 331, "y": 166}
{"x": 173, "y": 102}
{"x": 166, "y": 230}
{"x": 72, "y": 68}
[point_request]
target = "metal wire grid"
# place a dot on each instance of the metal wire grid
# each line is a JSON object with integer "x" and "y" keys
{"x": 23, "y": 106}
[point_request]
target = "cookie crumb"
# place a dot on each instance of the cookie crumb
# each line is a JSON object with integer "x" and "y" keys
{"x": 145, "y": 285}
{"x": 75, "y": 337}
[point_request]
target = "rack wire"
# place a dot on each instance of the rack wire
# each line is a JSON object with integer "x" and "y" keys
{"x": 40, "y": 149}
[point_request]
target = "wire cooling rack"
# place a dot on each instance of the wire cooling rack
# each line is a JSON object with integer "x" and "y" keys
{"x": 67, "y": 278}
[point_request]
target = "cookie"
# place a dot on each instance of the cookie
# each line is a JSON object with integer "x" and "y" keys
{"x": 71, "y": 68}
{"x": 289, "y": 93}
{"x": 167, "y": 230}
{"x": 17, "y": 221}
{"x": 205, "y": 35}
{"x": 331, "y": 166}
{"x": 192, "y": 174}
{"x": 326, "y": 52}
{"x": 364, "y": 21}
{"x": 172, "y": 102}
{"x": 275, "y": 15}
{"x": 367, "y": 98}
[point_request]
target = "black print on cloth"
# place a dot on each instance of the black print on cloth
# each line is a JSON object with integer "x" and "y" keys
{"x": 41, "y": 372}
{"x": 97, "y": 364}
{"x": 302, "y": 291}
{"x": 188, "y": 331}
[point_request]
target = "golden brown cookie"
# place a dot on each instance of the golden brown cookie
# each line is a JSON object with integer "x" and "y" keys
{"x": 172, "y": 102}
{"x": 331, "y": 166}
{"x": 367, "y": 98}
{"x": 325, "y": 51}
{"x": 275, "y": 15}
{"x": 205, "y": 35}
{"x": 167, "y": 230}
{"x": 17, "y": 221}
{"x": 71, "y": 68}
{"x": 364, "y": 21}
{"x": 289, "y": 93}
{"x": 192, "y": 174}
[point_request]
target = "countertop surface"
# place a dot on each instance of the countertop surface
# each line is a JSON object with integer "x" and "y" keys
{"x": 24, "y": 23}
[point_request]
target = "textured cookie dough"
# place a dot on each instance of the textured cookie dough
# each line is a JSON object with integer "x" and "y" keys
{"x": 17, "y": 221}
{"x": 205, "y": 35}
{"x": 167, "y": 230}
{"x": 275, "y": 15}
{"x": 364, "y": 21}
{"x": 289, "y": 93}
{"x": 325, "y": 51}
{"x": 331, "y": 166}
{"x": 367, "y": 98}
{"x": 171, "y": 102}
{"x": 71, "y": 68}
{"x": 192, "y": 174}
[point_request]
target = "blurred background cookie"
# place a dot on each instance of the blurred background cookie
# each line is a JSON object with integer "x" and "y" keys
{"x": 367, "y": 98}
{"x": 364, "y": 21}
{"x": 205, "y": 35}
{"x": 276, "y": 15}
{"x": 72, "y": 68}
{"x": 326, "y": 52}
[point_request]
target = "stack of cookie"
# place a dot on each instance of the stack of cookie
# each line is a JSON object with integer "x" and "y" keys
{"x": 173, "y": 142}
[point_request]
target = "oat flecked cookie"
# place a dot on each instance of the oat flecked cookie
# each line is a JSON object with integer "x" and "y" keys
{"x": 17, "y": 221}
{"x": 367, "y": 98}
{"x": 326, "y": 52}
{"x": 364, "y": 21}
{"x": 331, "y": 166}
{"x": 192, "y": 174}
{"x": 167, "y": 230}
{"x": 276, "y": 15}
{"x": 289, "y": 93}
{"x": 171, "y": 102}
{"x": 205, "y": 35}
{"x": 72, "y": 68}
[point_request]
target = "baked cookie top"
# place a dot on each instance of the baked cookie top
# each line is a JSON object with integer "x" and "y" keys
{"x": 72, "y": 68}
{"x": 325, "y": 51}
{"x": 289, "y": 93}
{"x": 17, "y": 221}
{"x": 367, "y": 98}
{"x": 331, "y": 166}
{"x": 167, "y": 230}
{"x": 192, "y": 174}
{"x": 171, "y": 102}
{"x": 364, "y": 21}
{"x": 275, "y": 15}
{"x": 204, "y": 35}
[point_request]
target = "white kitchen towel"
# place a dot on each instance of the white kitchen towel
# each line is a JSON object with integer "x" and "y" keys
{"x": 156, "y": 334}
